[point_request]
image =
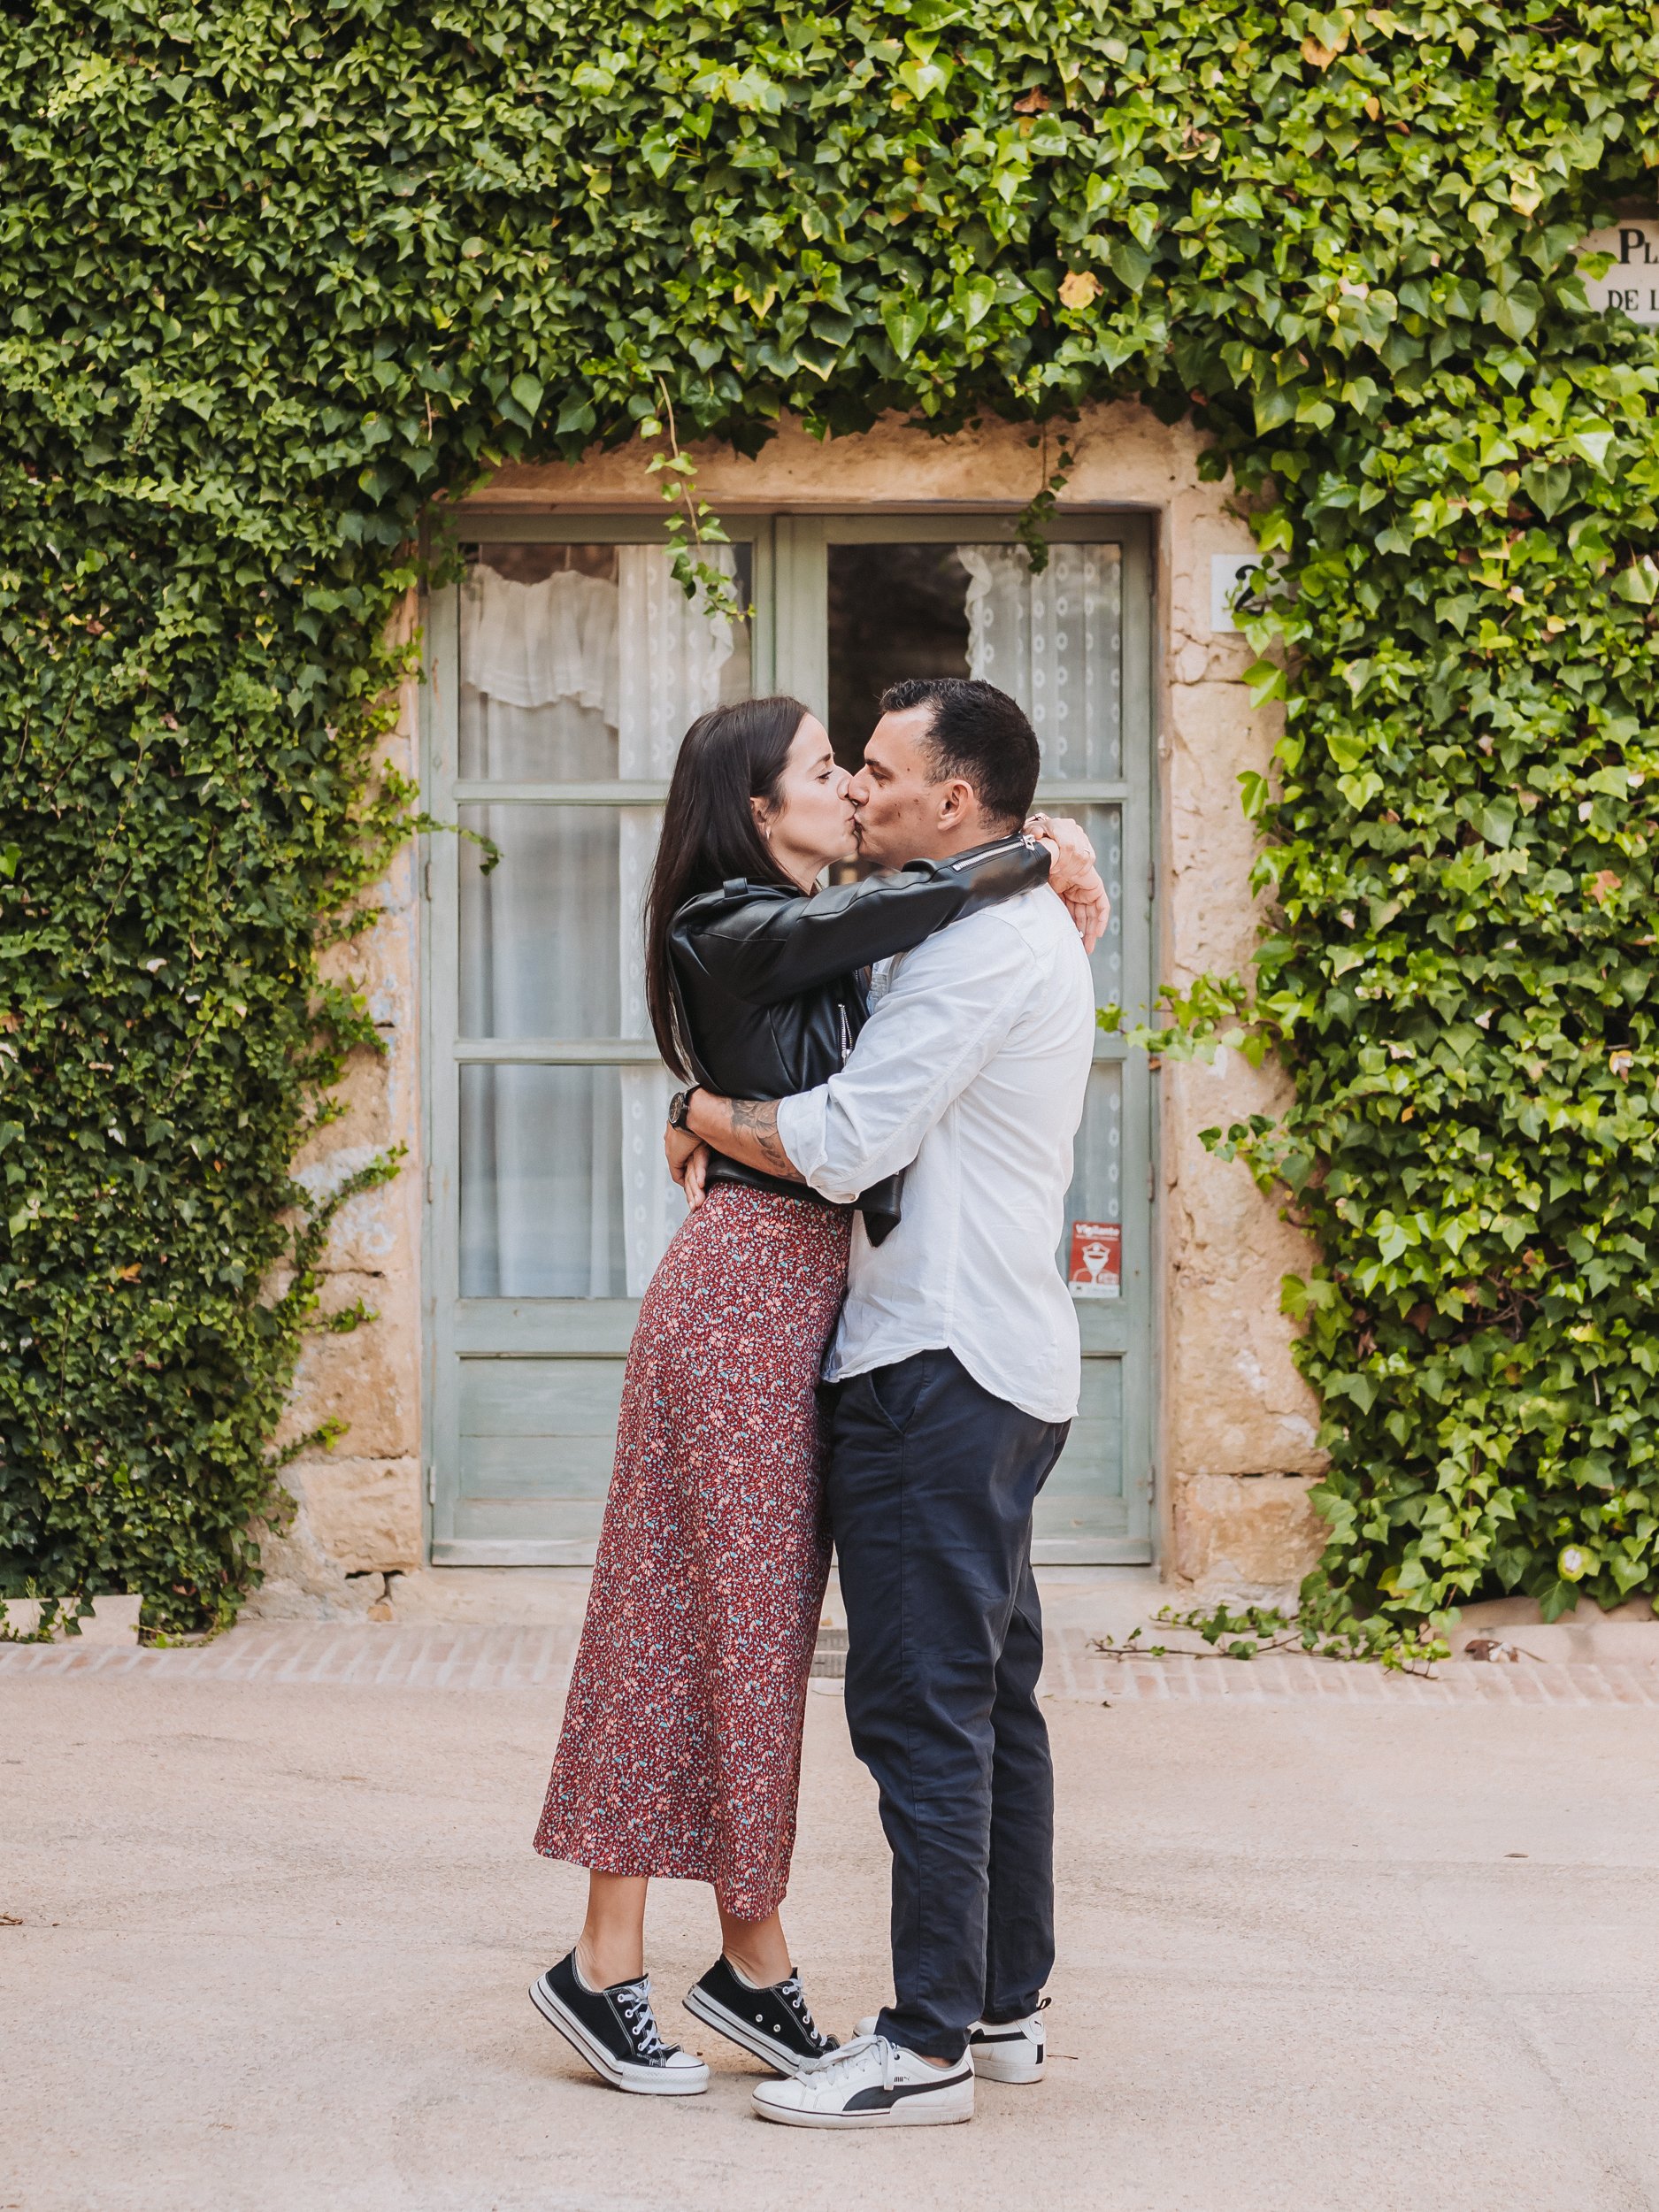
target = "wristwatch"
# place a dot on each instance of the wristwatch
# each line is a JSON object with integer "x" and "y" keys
{"x": 679, "y": 1106}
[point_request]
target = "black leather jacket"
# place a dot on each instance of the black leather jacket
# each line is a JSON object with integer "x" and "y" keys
{"x": 770, "y": 985}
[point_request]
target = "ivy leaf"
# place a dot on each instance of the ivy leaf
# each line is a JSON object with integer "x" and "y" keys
{"x": 1266, "y": 682}
{"x": 1131, "y": 264}
{"x": 924, "y": 77}
{"x": 1591, "y": 442}
{"x": 1514, "y": 310}
{"x": 658, "y": 150}
{"x": 975, "y": 297}
{"x": 1273, "y": 404}
{"x": 904, "y": 321}
{"x": 1547, "y": 487}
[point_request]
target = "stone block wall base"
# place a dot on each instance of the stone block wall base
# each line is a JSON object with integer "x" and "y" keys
{"x": 1244, "y": 1535}
{"x": 356, "y": 1522}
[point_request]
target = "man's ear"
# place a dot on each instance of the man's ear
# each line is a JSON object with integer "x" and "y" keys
{"x": 956, "y": 801}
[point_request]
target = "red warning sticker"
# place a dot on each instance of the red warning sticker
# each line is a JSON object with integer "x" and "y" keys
{"x": 1096, "y": 1270}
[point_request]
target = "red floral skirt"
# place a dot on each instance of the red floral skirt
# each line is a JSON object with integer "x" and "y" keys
{"x": 680, "y": 1753}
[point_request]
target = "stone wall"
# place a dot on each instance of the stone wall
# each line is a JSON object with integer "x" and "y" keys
{"x": 1237, "y": 1449}
{"x": 358, "y": 1514}
{"x": 1238, "y": 1425}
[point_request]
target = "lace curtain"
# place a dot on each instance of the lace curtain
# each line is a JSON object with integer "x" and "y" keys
{"x": 1051, "y": 641}
{"x": 577, "y": 677}
{"x": 672, "y": 668}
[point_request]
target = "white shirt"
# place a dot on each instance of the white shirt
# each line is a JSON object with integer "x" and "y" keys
{"x": 970, "y": 1074}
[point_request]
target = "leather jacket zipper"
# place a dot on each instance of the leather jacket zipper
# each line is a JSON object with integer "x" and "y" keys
{"x": 1018, "y": 842}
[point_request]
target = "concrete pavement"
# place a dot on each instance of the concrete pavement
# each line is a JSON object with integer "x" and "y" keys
{"x": 265, "y": 1945}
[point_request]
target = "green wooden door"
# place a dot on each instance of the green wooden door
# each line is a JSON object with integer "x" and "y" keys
{"x": 865, "y": 599}
{"x": 562, "y": 673}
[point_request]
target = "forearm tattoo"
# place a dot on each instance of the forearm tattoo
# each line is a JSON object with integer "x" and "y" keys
{"x": 760, "y": 1122}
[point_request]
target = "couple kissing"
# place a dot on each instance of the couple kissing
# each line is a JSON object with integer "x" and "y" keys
{"x": 859, "y": 1336}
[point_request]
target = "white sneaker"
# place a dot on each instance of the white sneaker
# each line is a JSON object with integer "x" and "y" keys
{"x": 871, "y": 2083}
{"x": 1013, "y": 2050}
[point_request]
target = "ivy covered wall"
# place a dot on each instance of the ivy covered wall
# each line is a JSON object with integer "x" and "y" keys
{"x": 272, "y": 277}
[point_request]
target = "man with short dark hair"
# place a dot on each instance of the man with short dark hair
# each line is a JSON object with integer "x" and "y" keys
{"x": 955, "y": 1372}
{"x": 974, "y": 732}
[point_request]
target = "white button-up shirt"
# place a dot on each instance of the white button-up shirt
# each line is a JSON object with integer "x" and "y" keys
{"x": 970, "y": 1074}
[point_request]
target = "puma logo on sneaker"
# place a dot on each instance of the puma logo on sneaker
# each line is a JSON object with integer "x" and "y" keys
{"x": 871, "y": 2083}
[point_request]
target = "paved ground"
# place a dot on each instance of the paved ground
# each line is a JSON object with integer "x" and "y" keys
{"x": 445, "y": 1657}
{"x": 266, "y": 1941}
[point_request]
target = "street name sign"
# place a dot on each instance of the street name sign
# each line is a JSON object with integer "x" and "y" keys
{"x": 1633, "y": 283}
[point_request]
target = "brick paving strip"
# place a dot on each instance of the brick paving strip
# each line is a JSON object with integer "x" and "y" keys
{"x": 326, "y": 1656}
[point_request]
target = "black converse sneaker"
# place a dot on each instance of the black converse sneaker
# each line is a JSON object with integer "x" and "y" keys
{"x": 773, "y": 2022}
{"x": 615, "y": 2031}
{"x": 871, "y": 2083}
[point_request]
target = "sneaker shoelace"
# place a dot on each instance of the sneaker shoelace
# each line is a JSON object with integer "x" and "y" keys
{"x": 795, "y": 1997}
{"x": 851, "y": 2054}
{"x": 634, "y": 2003}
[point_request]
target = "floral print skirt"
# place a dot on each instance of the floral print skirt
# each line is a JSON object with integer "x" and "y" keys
{"x": 680, "y": 1753}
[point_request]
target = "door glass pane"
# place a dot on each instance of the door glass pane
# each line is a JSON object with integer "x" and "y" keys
{"x": 1051, "y": 641}
{"x": 564, "y": 1194}
{"x": 588, "y": 661}
{"x": 542, "y": 931}
{"x": 541, "y": 1183}
{"x": 583, "y": 664}
{"x": 1104, "y": 827}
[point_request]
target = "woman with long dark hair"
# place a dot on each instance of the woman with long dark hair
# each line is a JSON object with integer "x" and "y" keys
{"x": 680, "y": 1755}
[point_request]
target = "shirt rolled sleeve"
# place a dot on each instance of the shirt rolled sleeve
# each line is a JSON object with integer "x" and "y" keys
{"x": 801, "y": 1130}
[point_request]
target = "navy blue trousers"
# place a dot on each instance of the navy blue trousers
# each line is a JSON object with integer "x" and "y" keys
{"x": 931, "y": 1486}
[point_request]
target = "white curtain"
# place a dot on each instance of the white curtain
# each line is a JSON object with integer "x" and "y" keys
{"x": 564, "y": 1189}
{"x": 1051, "y": 641}
{"x": 540, "y": 645}
{"x": 672, "y": 662}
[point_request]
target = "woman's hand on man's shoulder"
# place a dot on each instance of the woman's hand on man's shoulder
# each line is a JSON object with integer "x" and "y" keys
{"x": 1072, "y": 875}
